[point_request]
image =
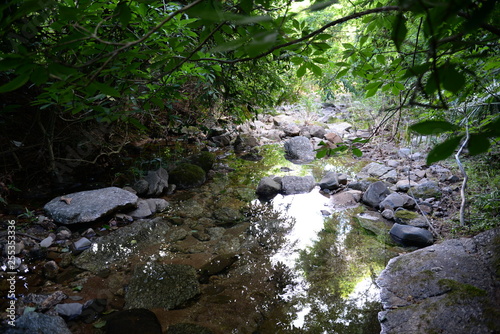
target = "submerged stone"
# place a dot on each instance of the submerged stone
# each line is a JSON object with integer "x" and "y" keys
{"x": 117, "y": 246}
{"x": 166, "y": 286}
{"x": 39, "y": 323}
{"x": 134, "y": 321}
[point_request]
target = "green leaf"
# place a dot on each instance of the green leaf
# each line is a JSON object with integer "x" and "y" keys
{"x": 342, "y": 73}
{"x": 372, "y": 90}
{"x": 302, "y": 70}
{"x": 443, "y": 150}
{"x": 321, "y": 152}
{"x": 451, "y": 79}
{"x": 381, "y": 59}
{"x": 297, "y": 60}
{"x": 39, "y": 76}
{"x": 106, "y": 89}
{"x": 246, "y": 5}
{"x": 357, "y": 152}
{"x": 320, "y": 60}
{"x": 315, "y": 69}
{"x": 478, "y": 143}
{"x": 124, "y": 13}
{"x": 433, "y": 127}
{"x": 15, "y": 83}
{"x": 399, "y": 30}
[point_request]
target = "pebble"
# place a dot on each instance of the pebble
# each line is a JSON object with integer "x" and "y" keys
{"x": 47, "y": 242}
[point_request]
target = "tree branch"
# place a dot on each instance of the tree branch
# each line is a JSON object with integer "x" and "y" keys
{"x": 308, "y": 36}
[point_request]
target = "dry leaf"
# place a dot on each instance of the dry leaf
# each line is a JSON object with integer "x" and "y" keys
{"x": 67, "y": 200}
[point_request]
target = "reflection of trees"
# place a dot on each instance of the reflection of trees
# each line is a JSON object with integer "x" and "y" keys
{"x": 333, "y": 266}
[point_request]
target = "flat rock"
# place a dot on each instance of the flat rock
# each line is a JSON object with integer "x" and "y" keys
{"x": 376, "y": 169}
{"x": 345, "y": 199}
{"x": 297, "y": 184}
{"x": 452, "y": 287}
{"x": 88, "y": 206}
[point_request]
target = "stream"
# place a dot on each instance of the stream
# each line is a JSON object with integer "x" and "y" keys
{"x": 297, "y": 265}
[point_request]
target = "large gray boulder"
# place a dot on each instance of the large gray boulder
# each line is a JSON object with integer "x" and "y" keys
{"x": 88, "y": 206}
{"x": 452, "y": 287}
{"x": 297, "y": 184}
{"x": 299, "y": 150}
{"x": 409, "y": 236}
{"x": 166, "y": 286}
{"x": 375, "y": 194}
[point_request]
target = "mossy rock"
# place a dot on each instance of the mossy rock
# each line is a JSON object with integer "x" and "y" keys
{"x": 186, "y": 176}
{"x": 405, "y": 215}
{"x": 203, "y": 159}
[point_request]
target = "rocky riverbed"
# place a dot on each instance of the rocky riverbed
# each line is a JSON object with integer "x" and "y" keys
{"x": 185, "y": 246}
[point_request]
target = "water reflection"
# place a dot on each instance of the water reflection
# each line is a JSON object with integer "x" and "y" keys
{"x": 335, "y": 263}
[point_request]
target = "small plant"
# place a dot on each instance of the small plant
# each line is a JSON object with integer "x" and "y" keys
{"x": 28, "y": 214}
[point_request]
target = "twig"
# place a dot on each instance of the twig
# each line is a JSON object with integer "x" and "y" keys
{"x": 4, "y": 234}
{"x": 464, "y": 183}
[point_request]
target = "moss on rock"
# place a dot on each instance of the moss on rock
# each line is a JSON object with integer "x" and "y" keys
{"x": 203, "y": 159}
{"x": 406, "y": 215}
{"x": 186, "y": 176}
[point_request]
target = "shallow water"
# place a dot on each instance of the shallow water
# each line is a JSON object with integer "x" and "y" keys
{"x": 333, "y": 260}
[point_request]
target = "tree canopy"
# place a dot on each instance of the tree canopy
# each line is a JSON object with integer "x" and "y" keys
{"x": 121, "y": 60}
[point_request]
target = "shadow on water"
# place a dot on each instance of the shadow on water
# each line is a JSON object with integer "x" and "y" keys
{"x": 333, "y": 260}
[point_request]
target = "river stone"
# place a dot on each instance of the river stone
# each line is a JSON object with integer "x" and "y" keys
{"x": 299, "y": 150}
{"x": 39, "y": 323}
{"x": 375, "y": 169}
{"x": 392, "y": 201}
{"x": 186, "y": 176}
{"x": 375, "y": 223}
{"x": 330, "y": 181}
{"x": 408, "y": 236}
{"x": 427, "y": 190}
{"x": 375, "y": 194}
{"x": 157, "y": 182}
{"x": 156, "y": 285}
{"x": 345, "y": 199}
{"x": 133, "y": 321}
{"x": 268, "y": 188}
{"x": 116, "y": 247}
{"x": 405, "y": 185}
{"x": 297, "y": 184}
{"x": 451, "y": 287}
{"x": 290, "y": 129}
{"x": 88, "y": 206}
{"x": 69, "y": 310}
